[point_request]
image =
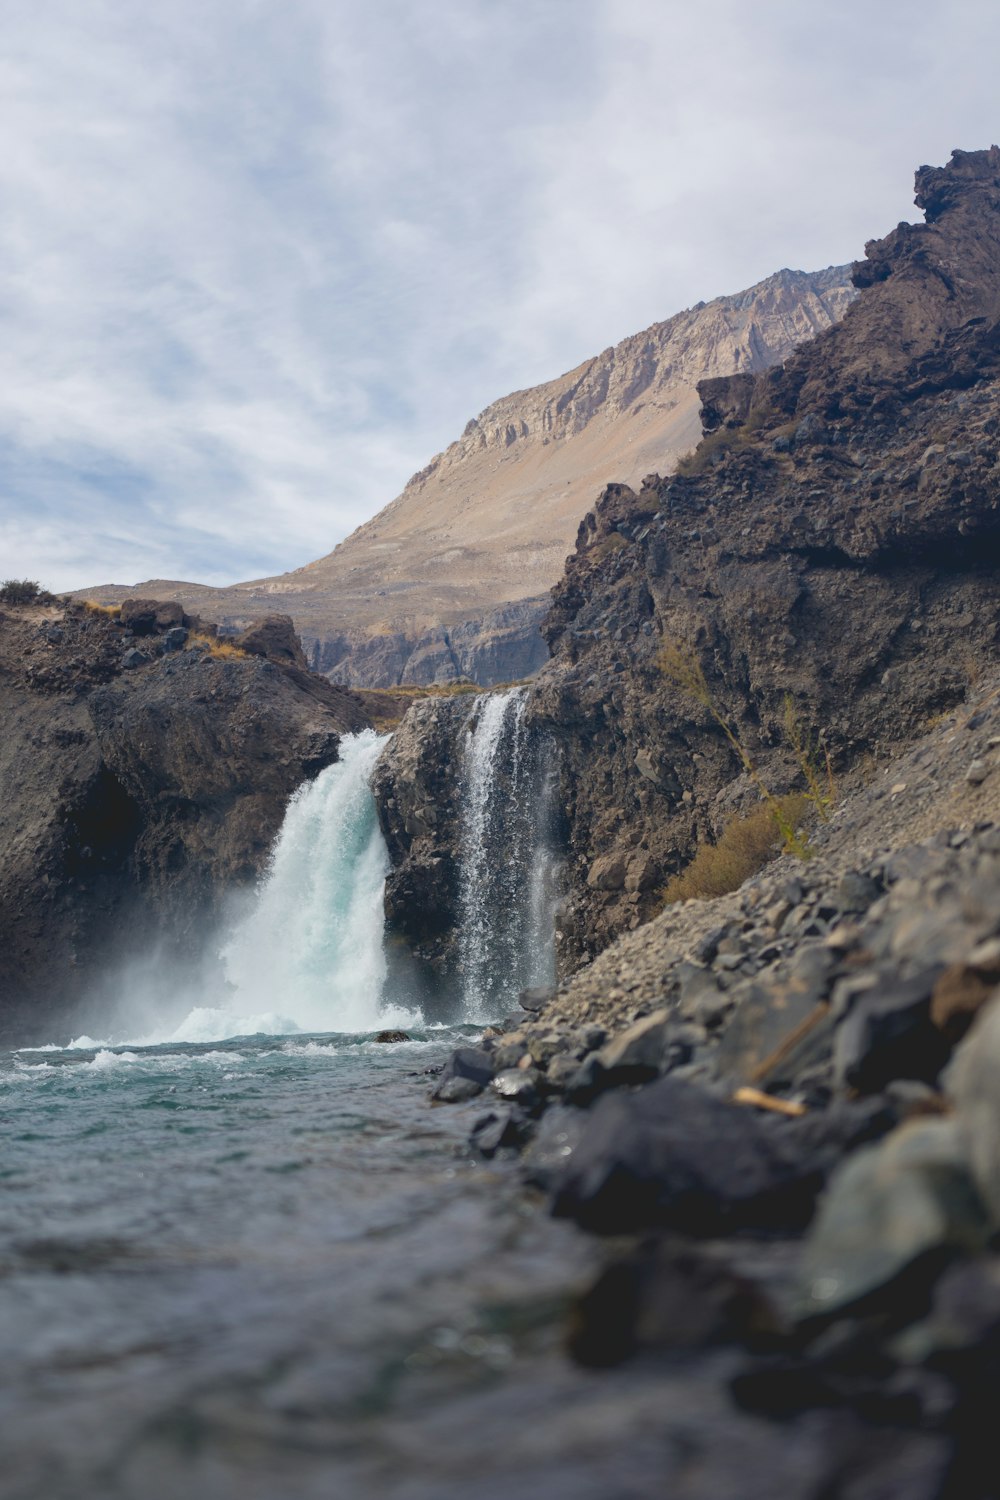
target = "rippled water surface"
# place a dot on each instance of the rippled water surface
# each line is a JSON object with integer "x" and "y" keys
{"x": 267, "y": 1267}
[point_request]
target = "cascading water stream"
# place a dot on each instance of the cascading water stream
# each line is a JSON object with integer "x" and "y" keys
{"x": 309, "y": 954}
{"x": 506, "y": 866}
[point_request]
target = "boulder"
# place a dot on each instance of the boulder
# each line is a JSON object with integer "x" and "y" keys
{"x": 674, "y": 1155}
{"x": 888, "y": 1033}
{"x": 892, "y": 1217}
{"x": 465, "y": 1074}
{"x": 274, "y": 637}
{"x": 636, "y": 1054}
{"x": 151, "y": 616}
{"x": 668, "y": 1294}
{"x": 519, "y": 1086}
{"x": 608, "y": 872}
{"x": 537, "y": 998}
{"x": 973, "y": 1082}
{"x": 500, "y": 1129}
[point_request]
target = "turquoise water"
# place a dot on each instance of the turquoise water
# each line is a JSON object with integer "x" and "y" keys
{"x": 263, "y": 1267}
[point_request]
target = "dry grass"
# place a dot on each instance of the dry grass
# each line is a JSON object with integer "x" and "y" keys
{"x": 219, "y": 650}
{"x": 745, "y": 846}
{"x": 109, "y": 611}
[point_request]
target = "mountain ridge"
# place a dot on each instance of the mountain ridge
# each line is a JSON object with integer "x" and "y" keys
{"x": 451, "y": 578}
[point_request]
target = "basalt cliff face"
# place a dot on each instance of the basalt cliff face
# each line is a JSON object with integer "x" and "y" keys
{"x": 835, "y": 539}
{"x": 144, "y": 777}
{"x": 451, "y": 580}
{"x": 834, "y": 542}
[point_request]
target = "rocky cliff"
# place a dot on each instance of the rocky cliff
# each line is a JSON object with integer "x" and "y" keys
{"x": 451, "y": 579}
{"x": 833, "y": 542}
{"x": 145, "y": 773}
{"x": 832, "y": 545}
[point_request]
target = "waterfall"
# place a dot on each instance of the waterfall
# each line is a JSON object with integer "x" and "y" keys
{"x": 308, "y": 954}
{"x": 312, "y": 947}
{"x": 507, "y": 867}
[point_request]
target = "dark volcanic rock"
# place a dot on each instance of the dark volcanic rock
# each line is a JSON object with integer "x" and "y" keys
{"x": 465, "y": 1074}
{"x": 831, "y": 567}
{"x": 274, "y": 637}
{"x": 888, "y": 1034}
{"x": 672, "y": 1154}
{"x": 134, "y": 800}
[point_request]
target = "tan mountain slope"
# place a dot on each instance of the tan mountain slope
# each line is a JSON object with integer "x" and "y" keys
{"x": 451, "y": 579}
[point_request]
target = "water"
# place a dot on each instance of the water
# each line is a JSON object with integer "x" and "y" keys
{"x": 241, "y": 1256}
{"x": 262, "y": 1269}
{"x": 507, "y": 870}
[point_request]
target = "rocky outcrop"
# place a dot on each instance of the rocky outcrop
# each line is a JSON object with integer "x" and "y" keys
{"x": 833, "y": 543}
{"x": 503, "y": 645}
{"x": 145, "y": 775}
{"x": 417, "y": 788}
{"x": 446, "y": 582}
{"x": 781, "y": 1108}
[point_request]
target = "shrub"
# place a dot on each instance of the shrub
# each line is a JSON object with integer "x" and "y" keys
{"x": 745, "y": 846}
{"x": 23, "y": 591}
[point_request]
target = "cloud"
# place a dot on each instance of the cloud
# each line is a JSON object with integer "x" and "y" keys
{"x": 258, "y": 263}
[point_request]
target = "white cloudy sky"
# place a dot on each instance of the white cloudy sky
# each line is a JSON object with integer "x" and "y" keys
{"x": 260, "y": 259}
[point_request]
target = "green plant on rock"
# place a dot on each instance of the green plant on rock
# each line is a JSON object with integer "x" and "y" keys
{"x": 813, "y": 759}
{"x": 680, "y": 665}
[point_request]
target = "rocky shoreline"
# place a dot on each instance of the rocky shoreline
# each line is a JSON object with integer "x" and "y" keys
{"x": 780, "y": 1106}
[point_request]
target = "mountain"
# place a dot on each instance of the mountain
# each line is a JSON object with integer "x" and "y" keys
{"x": 827, "y": 556}
{"x": 451, "y": 579}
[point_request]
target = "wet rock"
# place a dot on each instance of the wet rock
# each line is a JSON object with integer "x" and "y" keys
{"x": 542, "y": 1049}
{"x": 668, "y": 1295}
{"x": 519, "y": 1085}
{"x": 559, "y": 1132}
{"x": 509, "y": 1050}
{"x": 456, "y": 1090}
{"x": 466, "y": 1073}
{"x": 500, "y": 1129}
{"x": 888, "y": 1033}
{"x": 391, "y": 1036}
{"x": 891, "y": 1218}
